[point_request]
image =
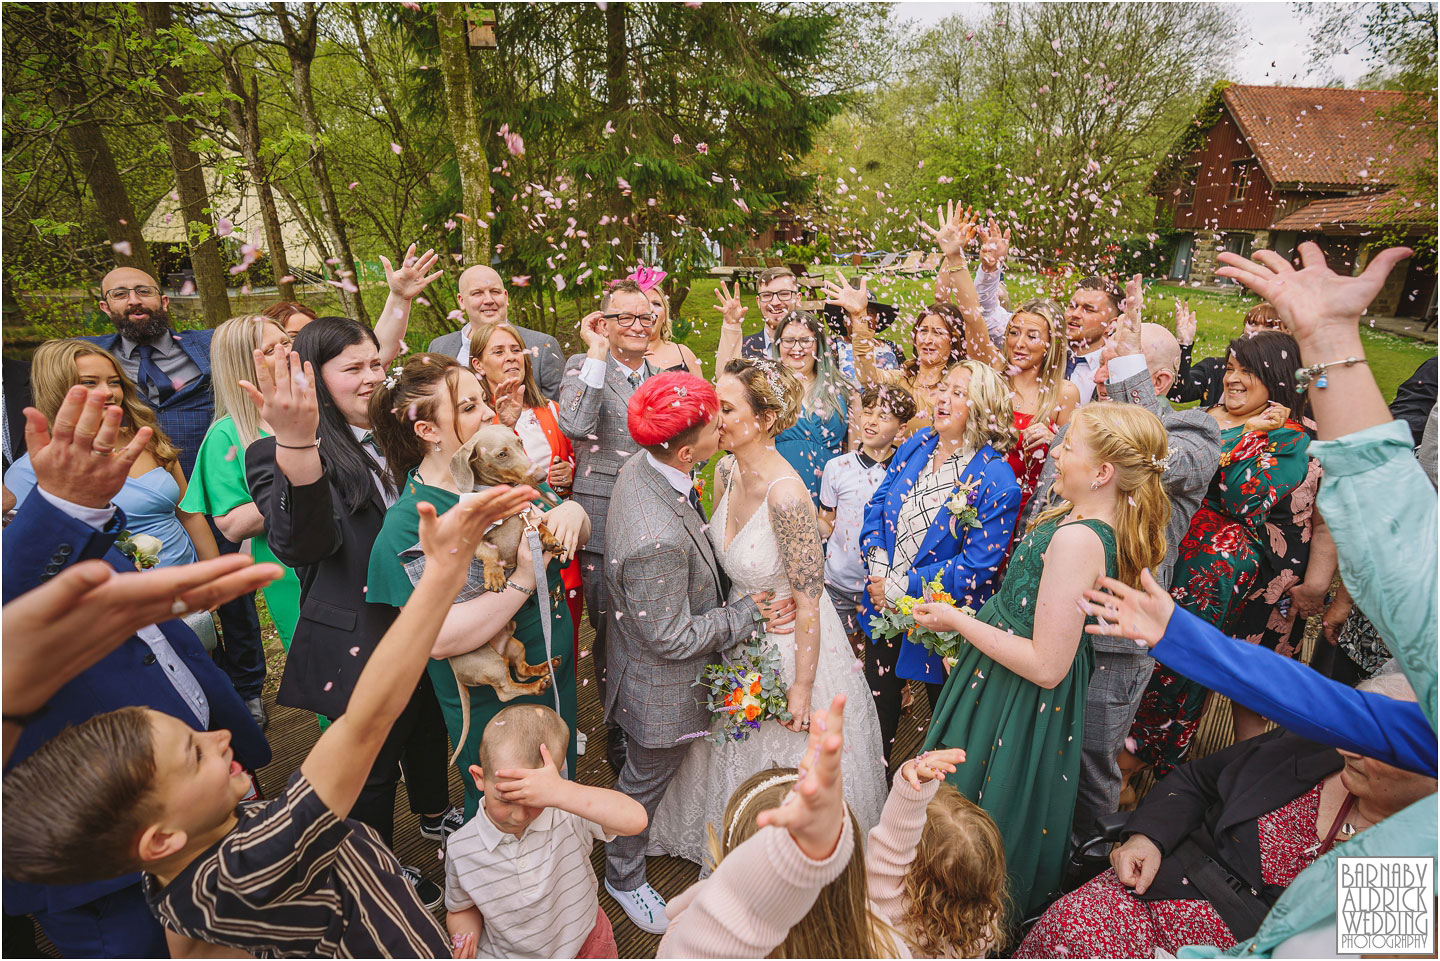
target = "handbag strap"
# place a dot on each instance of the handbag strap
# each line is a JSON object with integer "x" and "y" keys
{"x": 1329, "y": 841}
{"x": 542, "y": 601}
{"x": 1240, "y": 906}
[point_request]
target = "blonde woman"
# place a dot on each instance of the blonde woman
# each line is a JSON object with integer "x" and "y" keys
{"x": 664, "y": 354}
{"x": 217, "y": 485}
{"x": 766, "y": 536}
{"x": 152, "y": 493}
{"x": 1015, "y": 701}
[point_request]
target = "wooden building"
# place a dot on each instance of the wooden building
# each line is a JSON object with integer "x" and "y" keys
{"x": 1275, "y": 166}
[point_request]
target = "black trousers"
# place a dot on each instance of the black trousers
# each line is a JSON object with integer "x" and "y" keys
{"x": 418, "y": 744}
{"x": 597, "y": 608}
{"x": 886, "y": 686}
{"x": 241, "y": 654}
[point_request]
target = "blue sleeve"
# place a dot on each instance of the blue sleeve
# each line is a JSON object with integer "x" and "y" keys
{"x": 1296, "y": 697}
{"x": 43, "y": 540}
{"x": 984, "y": 549}
{"x": 20, "y": 479}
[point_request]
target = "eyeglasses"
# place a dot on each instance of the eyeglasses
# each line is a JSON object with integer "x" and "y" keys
{"x": 766, "y": 296}
{"x": 790, "y": 343}
{"x": 630, "y": 320}
{"x": 118, "y": 295}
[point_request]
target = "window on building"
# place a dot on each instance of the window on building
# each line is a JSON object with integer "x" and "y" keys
{"x": 1242, "y": 173}
{"x": 1185, "y": 190}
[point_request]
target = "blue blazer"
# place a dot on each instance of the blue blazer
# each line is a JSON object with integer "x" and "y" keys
{"x": 186, "y": 416}
{"x": 39, "y": 543}
{"x": 1297, "y": 697}
{"x": 966, "y": 561}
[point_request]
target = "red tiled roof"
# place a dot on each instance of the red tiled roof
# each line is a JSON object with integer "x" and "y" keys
{"x": 1327, "y": 136}
{"x": 1331, "y": 214}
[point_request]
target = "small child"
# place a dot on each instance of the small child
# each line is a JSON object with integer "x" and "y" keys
{"x": 137, "y": 790}
{"x": 525, "y": 856}
{"x": 845, "y": 488}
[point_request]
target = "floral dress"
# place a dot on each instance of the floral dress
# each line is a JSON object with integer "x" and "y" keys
{"x": 1222, "y": 561}
{"x": 1135, "y": 928}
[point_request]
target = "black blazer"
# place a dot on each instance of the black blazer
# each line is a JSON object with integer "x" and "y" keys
{"x": 1217, "y": 800}
{"x": 1414, "y": 399}
{"x": 15, "y": 378}
{"x": 330, "y": 552}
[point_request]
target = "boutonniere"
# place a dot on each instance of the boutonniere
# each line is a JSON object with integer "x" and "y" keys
{"x": 961, "y": 505}
{"x": 143, "y": 549}
{"x": 700, "y": 488}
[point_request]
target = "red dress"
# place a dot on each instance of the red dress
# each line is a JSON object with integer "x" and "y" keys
{"x": 1027, "y": 467}
{"x": 1102, "y": 919}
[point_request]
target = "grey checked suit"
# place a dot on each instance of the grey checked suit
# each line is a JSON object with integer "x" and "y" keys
{"x": 596, "y": 422}
{"x": 1123, "y": 668}
{"x": 671, "y": 621}
{"x": 546, "y": 358}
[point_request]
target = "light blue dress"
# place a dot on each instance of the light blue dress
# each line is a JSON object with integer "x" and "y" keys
{"x": 149, "y": 503}
{"x": 812, "y": 443}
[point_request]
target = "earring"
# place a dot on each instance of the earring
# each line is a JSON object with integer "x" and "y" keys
{"x": 437, "y": 447}
{"x": 1094, "y": 485}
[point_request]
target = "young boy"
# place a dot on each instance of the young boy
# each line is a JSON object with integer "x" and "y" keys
{"x": 845, "y": 489}
{"x": 138, "y": 790}
{"x": 526, "y": 855}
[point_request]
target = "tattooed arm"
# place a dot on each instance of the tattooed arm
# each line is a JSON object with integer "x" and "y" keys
{"x": 792, "y": 517}
{"x": 722, "y": 478}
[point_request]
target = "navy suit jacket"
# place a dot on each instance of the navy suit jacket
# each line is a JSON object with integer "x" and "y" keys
{"x": 754, "y": 346}
{"x": 966, "y": 561}
{"x": 39, "y": 543}
{"x": 186, "y": 416}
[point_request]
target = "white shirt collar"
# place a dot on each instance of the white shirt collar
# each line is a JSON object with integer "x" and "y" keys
{"x": 674, "y": 476}
{"x": 492, "y": 837}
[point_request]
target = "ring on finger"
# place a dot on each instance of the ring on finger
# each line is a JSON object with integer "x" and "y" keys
{"x": 101, "y": 451}
{"x": 179, "y": 607}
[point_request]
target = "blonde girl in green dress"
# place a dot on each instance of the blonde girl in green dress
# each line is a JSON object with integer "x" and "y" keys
{"x": 1015, "y": 698}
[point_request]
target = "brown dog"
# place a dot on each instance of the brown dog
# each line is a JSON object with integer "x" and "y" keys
{"x": 496, "y": 456}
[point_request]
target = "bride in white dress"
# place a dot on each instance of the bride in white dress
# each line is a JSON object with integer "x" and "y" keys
{"x": 767, "y": 538}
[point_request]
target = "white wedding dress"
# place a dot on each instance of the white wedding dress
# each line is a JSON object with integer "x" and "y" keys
{"x": 711, "y": 772}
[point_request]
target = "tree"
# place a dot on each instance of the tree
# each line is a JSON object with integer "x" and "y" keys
{"x": 471, "y": 159}
{"x": 173, "y": 96}
{"x": 1398, "y": 41}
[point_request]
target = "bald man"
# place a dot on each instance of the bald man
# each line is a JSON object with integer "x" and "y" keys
{"x": 1137, "y": 366}
{"x": 483, "y": 300}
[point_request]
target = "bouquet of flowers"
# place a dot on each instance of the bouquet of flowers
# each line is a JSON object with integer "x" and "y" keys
{"x": 900, "y": 620}
{"x": 143, "y": 549}
{"x": 961, "y": 505}
{"x": 745, "y": 691}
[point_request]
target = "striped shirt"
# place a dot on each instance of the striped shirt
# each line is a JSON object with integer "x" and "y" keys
{"x": 293, "y": 880}
{"x": 537, "y": 893}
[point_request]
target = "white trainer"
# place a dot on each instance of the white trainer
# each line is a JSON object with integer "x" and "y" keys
{"x": 645, "y": 907}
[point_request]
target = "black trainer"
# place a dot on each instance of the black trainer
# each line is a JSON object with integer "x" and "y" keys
{"x": 427, "y": 891}
{"x": 441, "y": 827}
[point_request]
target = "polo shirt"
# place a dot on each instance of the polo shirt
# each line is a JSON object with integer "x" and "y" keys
{"x": 845, "y": 488}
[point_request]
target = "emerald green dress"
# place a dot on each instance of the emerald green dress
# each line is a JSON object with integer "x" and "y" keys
{"x": 1022, "y": 742}
{"x": 395, "y": 567}
{"x": 217, "y": 487}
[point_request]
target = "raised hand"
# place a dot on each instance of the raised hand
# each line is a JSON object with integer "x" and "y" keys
{"x": 284, "y": 395}
{"x": 931, "y": 766}
{"x": 1187, "y": 323}
{"x": 994, "y": 245}
{"x": 70, "y": 622}
{"x": 410, "y": 279}
{"x": 595, "y": 334}
{"x": 1134, "y": 303}
{"x": 510, "y": 400}
{"x": 1120, "y": 609}
{"x": 1125, "y": 336}
{"x": 78, "y": 461}
{"x": 1314, "y": 299}
{"x": 533, "y": 787}
{"x": 853, "y": 300}
{"x": 814, "y": 812}
{"x": 732, "y": 311}
{"x": 955, "y": 229}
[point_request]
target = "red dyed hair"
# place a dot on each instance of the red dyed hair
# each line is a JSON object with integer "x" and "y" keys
{"x": 669, "y": 405}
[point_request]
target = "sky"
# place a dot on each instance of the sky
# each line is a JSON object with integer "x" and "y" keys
{"x": 1271, "y": 32}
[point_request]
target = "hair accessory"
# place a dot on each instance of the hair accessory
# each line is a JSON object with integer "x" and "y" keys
{"x": 648, "y": 278}
{"x": 1161, "y": 464}
{"x": 771, "y": 370}
{"x": 750, "y": 795}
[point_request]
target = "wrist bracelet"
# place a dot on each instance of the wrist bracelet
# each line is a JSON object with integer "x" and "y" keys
{"x": 1314, "y": 375}
{"x": 300, "y": 446}
{"x": 527, "y": 591}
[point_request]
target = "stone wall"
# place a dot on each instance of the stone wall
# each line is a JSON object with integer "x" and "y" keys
{"x": 1203, "y": 258}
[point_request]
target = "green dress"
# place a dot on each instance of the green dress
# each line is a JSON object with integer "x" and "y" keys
{"x": 395, "y": 567}
{"x": 1022, "y": 743}
{"x": 217, "y": 487}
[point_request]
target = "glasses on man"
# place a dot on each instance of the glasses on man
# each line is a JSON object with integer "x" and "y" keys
{"x": 631, "y": 320}
{"x": 118, "y": 295}
{"x": 784, "y": 296}
{"x": 797, "y": 343}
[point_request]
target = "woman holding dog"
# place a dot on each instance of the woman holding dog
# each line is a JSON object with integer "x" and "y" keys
{"x": 422, "y": 415}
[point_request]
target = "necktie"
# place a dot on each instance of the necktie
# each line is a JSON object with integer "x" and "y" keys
{"x": 151, "y": 376}
{"x": 694, "y": 499}
{"x": 636, "y": 376}
{"x": 1071, "y": 362}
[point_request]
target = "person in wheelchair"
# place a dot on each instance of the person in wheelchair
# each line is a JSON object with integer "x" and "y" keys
{"x": 1213, "y": 845}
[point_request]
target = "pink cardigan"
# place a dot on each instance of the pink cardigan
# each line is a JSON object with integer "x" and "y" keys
{"x": 767, "y": 885}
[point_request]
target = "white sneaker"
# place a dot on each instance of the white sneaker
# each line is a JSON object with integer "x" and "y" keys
{"x": 580, "y": 742}
{"x": 644, "y": 905}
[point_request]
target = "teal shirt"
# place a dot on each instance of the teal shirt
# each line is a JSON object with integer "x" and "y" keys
{"x": 1374, "y": 496}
